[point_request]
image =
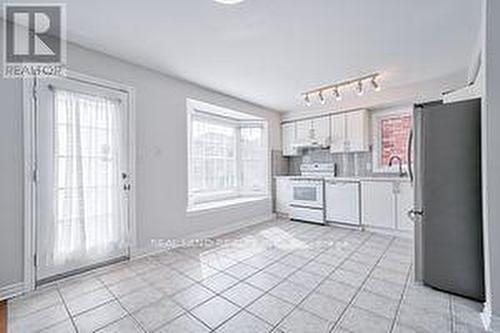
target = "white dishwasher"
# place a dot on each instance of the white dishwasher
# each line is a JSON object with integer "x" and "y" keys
{"x": 342, "y": 200}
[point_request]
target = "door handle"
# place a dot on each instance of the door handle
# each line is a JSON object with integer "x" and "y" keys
{"x": 409, "y": 151}
{"x": 413, "y": 214}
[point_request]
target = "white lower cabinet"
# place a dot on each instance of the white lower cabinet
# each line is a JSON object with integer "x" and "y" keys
{"x": 386, "y": 205}
{"x": 378, "y": 204}
{"x": 404, "y": 203}
{"x": 283, "y": 195}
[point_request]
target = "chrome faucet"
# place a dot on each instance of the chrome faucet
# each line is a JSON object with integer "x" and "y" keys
{"x": 400, "y": 162}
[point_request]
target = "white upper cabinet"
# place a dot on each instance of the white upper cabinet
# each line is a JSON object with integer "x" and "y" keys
{"x": 357, "y": 131}
{"x": 350, "y": 132}
{"x": 338, "y": 133}
{"x": 378, "y": 204}
{"x": 343, "y": 133}
{"x": 303, "y": 131}
{"x": 288, "y": 136}
{"x": 321, "y": 127}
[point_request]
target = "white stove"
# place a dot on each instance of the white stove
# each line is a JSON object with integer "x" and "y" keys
{"x": 308, "y": 199}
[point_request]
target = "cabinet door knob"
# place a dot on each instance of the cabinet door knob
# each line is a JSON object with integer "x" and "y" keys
{"x": 414, "y": 214}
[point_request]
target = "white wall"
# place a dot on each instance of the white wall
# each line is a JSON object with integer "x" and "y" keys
{"x": 11, "y": 182}
{"x": 491, "y": 159}
{"x": 161, "y": 166}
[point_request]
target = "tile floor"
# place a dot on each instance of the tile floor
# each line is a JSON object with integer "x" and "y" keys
{"x": 278, "y": 276}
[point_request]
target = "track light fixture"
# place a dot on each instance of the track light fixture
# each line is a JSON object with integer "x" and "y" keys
{"x": 357, "y": 82}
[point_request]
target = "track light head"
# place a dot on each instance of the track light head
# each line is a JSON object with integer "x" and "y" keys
{"x": 307, "y": 100}
{"x": 359, "y": 88}
{"x": 322, "y": 99}
{"x": 375, "y": 85}
{"x": 336, "y": 92}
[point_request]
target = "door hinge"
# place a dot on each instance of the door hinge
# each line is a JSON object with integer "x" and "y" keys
{"x": 35, "y": 263}
{"x": 35, "y": 175}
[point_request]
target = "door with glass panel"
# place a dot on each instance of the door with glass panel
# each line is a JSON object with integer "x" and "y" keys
{"x": 81, "y": 197}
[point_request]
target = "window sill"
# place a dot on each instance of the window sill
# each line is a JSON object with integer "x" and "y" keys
{"x": 221, "y": 204}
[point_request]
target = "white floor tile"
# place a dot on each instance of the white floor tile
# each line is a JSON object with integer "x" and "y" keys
{"x": 242, "y": 294}
{"x": 338, "y": 290}
{"x": 23, "y": 305}
{"x": 358, "y": 320}
{"x": 219, "y": 282}
{"x": 263, "y": 281}
{"x": 124, "y": 325}
{"x": 215, "y": 311}
{"x": 140, "y": 298}
{"x": 326, "y": 307}
{"x": 290, "y": 292}
{"x": 83, "y": 302}
{"x": 300, "y": 321}
{"x": 185, "y": 323}
{"x": 37, "y": 320}
{"x": 193, "y": 296}
{"x": 244, "y": 322}
{"x": 99, "y": 317}
{"x": 382, "y": 306}
{"x": 157, "y": 314}
{"x": 270, "y": 308}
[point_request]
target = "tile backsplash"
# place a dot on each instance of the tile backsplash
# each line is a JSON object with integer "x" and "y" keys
{"x": 349, "y": 164}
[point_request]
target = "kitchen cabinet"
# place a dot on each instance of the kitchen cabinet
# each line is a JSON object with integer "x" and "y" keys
{"x": 316, "y": 128}
{"x": 321, "y": 127}
{"x": 342, "y": 202}
{"x": 350, "y": 132}
{"x": 283, "y": 195}
{"x": 404, "y": 202}
{"x": 303, "y": 131}
{"x": 385, "y": 204}
{"x": 288, "y": 137}
{"x": 378, "y": 204}
{"x": 338, "y": 133}
{"x": 357, "y": 131}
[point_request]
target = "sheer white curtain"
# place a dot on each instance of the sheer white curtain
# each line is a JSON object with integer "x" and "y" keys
{"x": 88, "y": 197}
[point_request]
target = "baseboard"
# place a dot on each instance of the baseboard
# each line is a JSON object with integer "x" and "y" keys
{"x": 12, "y": 290}
{"x": 389, "y": 232}
{"x": 232, "y": 227}
{"x": 491, "y": 321}
{"x": 147, "y": 251}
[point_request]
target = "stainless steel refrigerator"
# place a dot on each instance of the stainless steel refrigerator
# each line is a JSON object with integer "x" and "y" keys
{"x": 448, "y": 211}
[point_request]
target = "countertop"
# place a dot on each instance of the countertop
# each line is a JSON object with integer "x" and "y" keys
{"x": 369, "y": 179}
{"x": 359, "y": 178}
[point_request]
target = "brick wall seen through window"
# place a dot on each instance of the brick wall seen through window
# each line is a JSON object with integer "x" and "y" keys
{"x": 394, "y": 131}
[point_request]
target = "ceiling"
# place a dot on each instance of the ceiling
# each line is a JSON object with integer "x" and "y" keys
{"x": 268, "y": 52}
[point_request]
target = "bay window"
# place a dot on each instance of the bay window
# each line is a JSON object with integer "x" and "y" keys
{"x": 227, "y": 154}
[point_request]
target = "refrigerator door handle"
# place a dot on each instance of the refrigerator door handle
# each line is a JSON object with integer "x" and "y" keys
{"x": 409, "y": 157}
